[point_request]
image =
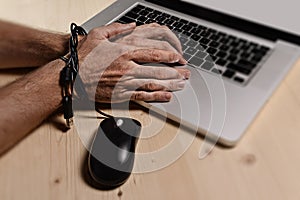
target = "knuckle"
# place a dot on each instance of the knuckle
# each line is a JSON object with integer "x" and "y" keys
{"x": 173, "y": 56}
{"x": 138, "y": 96}
{"x": 151, "y": 86}
{"x": 166, "y": 45}
{"x": 155, "y": 55}
{"x": 172, "y": 85}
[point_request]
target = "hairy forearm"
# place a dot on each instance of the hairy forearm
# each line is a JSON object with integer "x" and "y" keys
{"x": 24, "y": 104}
{"x": 21, "y": 46}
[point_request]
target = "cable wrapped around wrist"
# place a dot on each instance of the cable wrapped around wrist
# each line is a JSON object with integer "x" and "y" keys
{"x": 69, "y": 73}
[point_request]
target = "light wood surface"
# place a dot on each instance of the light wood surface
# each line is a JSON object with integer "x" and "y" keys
{"x": 48, "y": 164}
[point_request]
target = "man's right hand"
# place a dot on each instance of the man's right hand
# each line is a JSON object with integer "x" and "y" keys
{"x": 110, "y": 63}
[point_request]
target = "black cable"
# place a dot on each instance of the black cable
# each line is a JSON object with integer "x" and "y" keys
{"x": 69, "y": 74}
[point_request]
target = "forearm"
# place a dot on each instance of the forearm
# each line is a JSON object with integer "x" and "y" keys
{"x": 25, "y": 47}
{"x": 25, "y": 103}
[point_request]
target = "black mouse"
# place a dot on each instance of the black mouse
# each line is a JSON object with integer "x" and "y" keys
{"x": 111, "y": 156}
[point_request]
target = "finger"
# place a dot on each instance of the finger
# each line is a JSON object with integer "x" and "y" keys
{"x": 154, "y": 72}
{"x": 151, "y": 96}
{"x": 150, "y": 43}
{"x": 112, "y": 30}
{"x": 154, "y": 55}
{"x": 184, "y": 72}
{"x": 153, "y": 84}
{"x": 159, "y": 33}
{"x": 162, "y": 96}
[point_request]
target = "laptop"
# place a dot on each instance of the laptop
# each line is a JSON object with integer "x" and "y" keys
{"x": 238, "y": 53}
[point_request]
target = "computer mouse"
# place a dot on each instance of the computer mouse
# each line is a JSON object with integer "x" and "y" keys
{"x": 112, "y": 153}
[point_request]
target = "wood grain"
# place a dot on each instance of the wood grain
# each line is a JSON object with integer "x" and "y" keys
{"x": 49, "y": 164}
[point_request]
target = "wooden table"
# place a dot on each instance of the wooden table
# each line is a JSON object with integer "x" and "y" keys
{"x": 48, "y": 164}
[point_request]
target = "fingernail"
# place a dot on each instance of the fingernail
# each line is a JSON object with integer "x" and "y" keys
{"x": 181, "y": 84}
{"x": 183, "y": 61}
{"x": 168, "y": 96}
{"x": 187, "y": 75}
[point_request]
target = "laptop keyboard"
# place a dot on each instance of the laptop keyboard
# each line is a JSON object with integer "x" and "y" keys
{"x": 205, "y": 48}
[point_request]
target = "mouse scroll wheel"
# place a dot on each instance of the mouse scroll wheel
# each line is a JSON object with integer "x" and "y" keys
{"x": 119, "y": 122}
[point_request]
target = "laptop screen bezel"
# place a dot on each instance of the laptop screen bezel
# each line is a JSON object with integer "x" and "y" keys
{"x": 231, "y": 21}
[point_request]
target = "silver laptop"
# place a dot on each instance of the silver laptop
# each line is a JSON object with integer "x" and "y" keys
{"x": 238, "y": 53}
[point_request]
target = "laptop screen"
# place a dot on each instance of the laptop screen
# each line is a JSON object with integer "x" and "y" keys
{"x": 280, "y": 14}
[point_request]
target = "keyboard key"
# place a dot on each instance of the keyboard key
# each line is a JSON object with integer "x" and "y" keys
{"x": 239, "y": 79}
{"x": 192, "y": 24}
{"x": 175, "y": 18}
{"x": 202, "y": 47}
{"x": 234, "y": 51}
{"x": 244, "y": 47}
{"x": 246, "y": 64}
{"x": 221, "y": 62}
{"x": 160, "y": 18}
{"x": 232, "y": 58}
{"x": 187, "y": 33}
{"x": 169, "y": 21}
{"x": 157, "y": 12}
{"x": 239, "y": 68}
{"x": 192, "y": 43}
{"x": 214, "y": 44}
{"x": 214, "y": 37}
{"x": 207, "y": 65}
{"x": 204, "y": 41}
{"x": 201, "y": 54}
{"x": 221, "y": 54}
{"x": 211, "y": 58}
{"x": 144, "y": 12}
{"x": 126, "y": 19}
{"x": 221, "y": 34}
{"x": 152, "y": 15}
{"x": 184, "y": 47}
{"x": 196, "y": 30}
{"x": 202, "y": 27}
{"x": 231, "y": 37}
{"x": 240, "y": 40}
{"x": 205, "y": 34}
{"x": 212, "y": 30}
{"x": 234, "y": 44}
{"x": 139, "y": 23}
{"x": 177, "y": 30}
{"x": 140, "y": 6}
{"x": 149, "y": 9}
{"x": 264, "y": 48}
{"x": 216, "y": 71}
{"x": 191, "y": 51}
{"x": 183, "y": 40}
{"x": 132, "y": 15}
{"x": 196, "y": 61}
{"x": 183, "y": 21}
{"x": 195, "y": 37}
{"x": 186, "y": 27}
{"x": 224, "y": 47}
{"x": 228, "y": 73}
{"x": 257, "y": 58}
{"x": 211, "y": 51}
{"x": 142, "y": 19}
{"x": 245, "y": 55}
{"x": 258, "y": 51}
{"x": 224, "y": 40}
{"x": 165, "y": 15}
{"x": 178, "y": 24}
{"x": 136, "y": 9}
{"x": 187, "y": 56}
{"x": 149, "y": 21}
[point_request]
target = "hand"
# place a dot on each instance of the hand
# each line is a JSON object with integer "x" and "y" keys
{"x": 110, "y": 59}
